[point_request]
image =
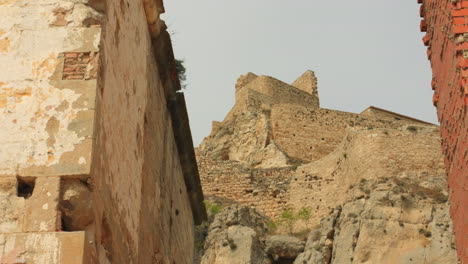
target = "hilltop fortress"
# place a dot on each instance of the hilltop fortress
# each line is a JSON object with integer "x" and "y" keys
{"x": 278, "y": 150}
{"x": 290, "y": 127}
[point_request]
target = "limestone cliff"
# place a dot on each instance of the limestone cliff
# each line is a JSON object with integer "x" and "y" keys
{"x": 367, "y": 188}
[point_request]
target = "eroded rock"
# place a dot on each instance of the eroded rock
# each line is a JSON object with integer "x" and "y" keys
{"x": 76, "y": 205}
{"x": 233, "y": 237}
{"x": 286, "y": 247}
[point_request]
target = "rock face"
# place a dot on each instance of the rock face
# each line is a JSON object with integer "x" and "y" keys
{"x": 239, "y": 235}
{"x": 284, "y": 247}
{"x": 233, "y": 237}
{"x": 396, "y": 226}
{"x": 371, "y": 187}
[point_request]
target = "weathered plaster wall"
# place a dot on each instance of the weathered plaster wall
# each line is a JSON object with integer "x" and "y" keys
{"x": 447, "y": 39}
{"x": 43, "y": 247}
{"x": 46, "y": 117}
{"x": 94, "y": 137}
{"x": 49, "y": 52}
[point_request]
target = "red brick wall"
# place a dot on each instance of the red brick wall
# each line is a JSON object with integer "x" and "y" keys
{"x": 446, "y": 24}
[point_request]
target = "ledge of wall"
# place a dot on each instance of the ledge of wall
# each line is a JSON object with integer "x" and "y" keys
{"x": 162, "y": 48}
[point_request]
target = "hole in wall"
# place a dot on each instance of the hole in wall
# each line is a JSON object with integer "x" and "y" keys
{"x": 75, "y": 205}
{"x": 25, "y": 186}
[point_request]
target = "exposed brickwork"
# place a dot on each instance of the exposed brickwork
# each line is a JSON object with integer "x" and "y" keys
{"x": 80, "y": 65}
{"x": 263, "y": 189}
{"x": 446, "y": 24}
{"x": 310, "y": 134}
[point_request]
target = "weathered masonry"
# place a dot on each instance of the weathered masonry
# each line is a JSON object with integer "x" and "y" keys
{"x": 96, "y": 163}
{"x": 446, "y": 24}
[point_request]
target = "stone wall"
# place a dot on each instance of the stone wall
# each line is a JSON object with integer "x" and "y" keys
{"x": 97, "y": 163}
{"x": 263, "y": 189}
{"x": 49, "y": 50}
{"x": 308, "y": 134}
{"x": 252, "y": 90}
{"x": 447, "y": 41}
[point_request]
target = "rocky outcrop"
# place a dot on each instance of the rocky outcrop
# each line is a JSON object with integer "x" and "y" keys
{"x": 234, "y": 237}
{"x": 239, "y": 234}
{"x": 319, "y": 246}
{"x": 397, "y": 222}
{"x": 283, "y": 247}
{"x": 247, "y": 138}
{"x": 392, "y": 220}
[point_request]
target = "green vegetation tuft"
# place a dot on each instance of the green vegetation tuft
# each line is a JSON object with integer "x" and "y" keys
{"x": 180, "y": 67}
{"x": 304, "y": 214}
{"x": 212, "y": 208}
{"x": 289, "y": 217}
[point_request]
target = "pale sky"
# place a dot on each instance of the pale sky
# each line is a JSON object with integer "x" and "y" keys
{"x": 364, "y": 52}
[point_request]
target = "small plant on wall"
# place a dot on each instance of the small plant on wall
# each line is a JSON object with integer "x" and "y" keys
{"x": 212, "y": 208}
{"x": 180, "y": 67}
{"x": 288, "y": 218}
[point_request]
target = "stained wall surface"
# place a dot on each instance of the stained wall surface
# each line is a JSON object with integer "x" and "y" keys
{"x": 142, "y": 207}
{"x": 49, "y": 52}
{"x": 447, "y": 39}
{"x": 97, "y": 163}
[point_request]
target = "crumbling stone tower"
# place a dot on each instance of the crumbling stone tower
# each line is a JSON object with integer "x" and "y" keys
{"x": 253, "y": 91}
{"x": 96, "y": 163}
{"x": 308, "y": 83}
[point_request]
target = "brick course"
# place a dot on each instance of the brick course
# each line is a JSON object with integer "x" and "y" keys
{"x": 447, "y": 40}
{"x": 80, "y": 65}
{"x": 262, "y": 189}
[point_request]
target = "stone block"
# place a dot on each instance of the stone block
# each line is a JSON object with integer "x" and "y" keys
{"x": 8, "y": 185}
{"x": 11, "y": 213}
{"x": 44, "y": 248}
{"x": 83, "y": 124}
{"x": 86, "y": 90}
{"x": 76, "y": 162}
{"x": 41, "y": 208}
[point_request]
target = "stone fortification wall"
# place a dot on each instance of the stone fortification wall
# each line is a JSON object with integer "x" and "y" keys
{"x": 96, "y": 163}
{"x": 447, "y": 39}
{"x": 309, "y": 134}
{"x": 144, "y": 165}
{"x": 308, "y": 83}
{"x": 376, "y": 172}
{"x": 251, "y": 156}
{"x": 263, "y": 189}
{"x": 252, "y": 90}
{"x": 376, "y": 113}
